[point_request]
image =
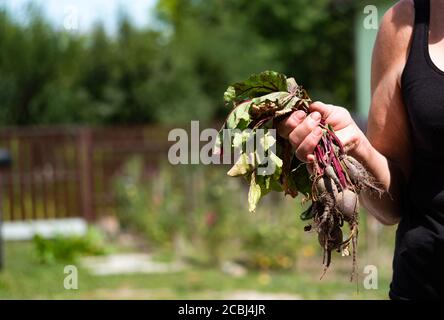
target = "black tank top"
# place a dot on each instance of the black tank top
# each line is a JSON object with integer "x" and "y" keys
{"x": 418, "y": 265}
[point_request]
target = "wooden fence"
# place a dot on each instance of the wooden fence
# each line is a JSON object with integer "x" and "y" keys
{"x": 68, "y": 172}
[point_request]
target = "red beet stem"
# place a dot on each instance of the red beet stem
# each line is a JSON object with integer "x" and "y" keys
{"x": 339, "y": 171}
{"x": 334, "y": 137}
{"x": 320, "y": 156}
{"x": 337, "y": 141}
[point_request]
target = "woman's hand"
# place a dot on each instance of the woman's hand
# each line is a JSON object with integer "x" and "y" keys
{"x": 304, "y": 133}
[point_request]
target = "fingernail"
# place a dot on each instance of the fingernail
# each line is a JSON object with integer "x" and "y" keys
{"x": 315, "y": 116}
{"x": 299, "y": 115}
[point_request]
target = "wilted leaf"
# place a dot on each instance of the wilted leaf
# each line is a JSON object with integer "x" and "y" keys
{"x": 257, "y": 85}
{"x": 299, "y": 177}
{"x": 292, "y": 86}
{"x": 308, "y": 214}
{"x": 267, "y": 140}
{"x": 241, "y": 167}
{"x": 289, "y": 106}
{"x": 269, "y": 183}
{"x": 276, "y": 160}
{"x": 239, "y": 118}
{"x": 265, "y": 143}
{"x": 272, "y": 97}
{"x": 230, "y": 95}
{"x": 242, "y": 137}
{"x": 254, "y": 194}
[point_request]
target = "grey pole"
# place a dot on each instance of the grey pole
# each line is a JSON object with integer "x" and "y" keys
{"x": 5, "y": 162}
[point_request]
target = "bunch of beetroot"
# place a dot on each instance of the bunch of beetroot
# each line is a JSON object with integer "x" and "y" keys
{"x": 332, "y": 182}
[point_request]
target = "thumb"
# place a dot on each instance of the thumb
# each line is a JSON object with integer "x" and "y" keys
{"x": 324, "y": 109}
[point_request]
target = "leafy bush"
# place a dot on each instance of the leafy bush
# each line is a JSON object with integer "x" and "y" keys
{"x": 188, "y": 210}
{"x": 69, "y": 248}
{"x": 272, "y": 246}
{"x": 154, "y": 208}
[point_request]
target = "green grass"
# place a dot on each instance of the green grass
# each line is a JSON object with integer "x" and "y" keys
{"x": 24, "y": 278}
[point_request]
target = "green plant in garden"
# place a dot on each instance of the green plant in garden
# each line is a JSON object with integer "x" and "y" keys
{"x": 183, "y": 210}
{"x": 154, "y": 210}
{"x": 273, "y": 242}
{"x": 178, "y": 204}
{"x": 69, "y": 248}
{"x": 332, "y": 183}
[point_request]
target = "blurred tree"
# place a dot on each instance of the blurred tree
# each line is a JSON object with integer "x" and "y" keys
{"x": 175, "y": 72}
{"x": 210, "y": 47}
{"x": 136, "y": 54}
{"x": 28, "y": 59}
{"x": 312, "y": 39}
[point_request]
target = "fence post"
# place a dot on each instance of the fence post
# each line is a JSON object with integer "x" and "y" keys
{"x": 5, "y": 162}
{"x": 86, "y": 175}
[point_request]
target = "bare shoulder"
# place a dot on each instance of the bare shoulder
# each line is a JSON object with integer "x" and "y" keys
{"x": 394, "y": 36}
{"x": 397, "y": 23}
{"x": 388, "y": 129}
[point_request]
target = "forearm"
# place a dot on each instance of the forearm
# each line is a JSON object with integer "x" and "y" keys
{"x": 385, "y": 207}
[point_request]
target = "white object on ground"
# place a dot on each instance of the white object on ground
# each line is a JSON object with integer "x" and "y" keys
{"x": 48, "y": 228}
{"x": 256, "y": 295}
{"x": 127, "y": 264}
{"x": 233, "y": 269}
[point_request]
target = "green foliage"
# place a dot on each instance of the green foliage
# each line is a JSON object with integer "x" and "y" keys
{"x": 69, "y": 248}
{"x": 155, "y": 209}
{"x": 186, "y": 211}
{"x": 312, "y": 40}
{"x": 269, "y": 246}
{"x": 176, "y": 71}
{"x": 255, "y": 86}
{"x": 255, "y": 102}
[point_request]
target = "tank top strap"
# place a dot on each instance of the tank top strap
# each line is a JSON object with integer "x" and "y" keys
{"x": 416, "y": 63}
{"x": 422, "y": 12}
{"x": 420, "y": 37}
